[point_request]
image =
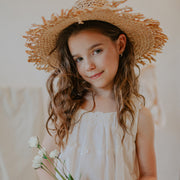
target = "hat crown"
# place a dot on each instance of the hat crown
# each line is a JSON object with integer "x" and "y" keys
{"x": 85, "y": 4}
{"x": 145, "y": 34}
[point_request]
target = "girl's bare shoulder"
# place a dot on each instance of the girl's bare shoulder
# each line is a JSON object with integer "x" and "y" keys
{"x": 145, "y": 122}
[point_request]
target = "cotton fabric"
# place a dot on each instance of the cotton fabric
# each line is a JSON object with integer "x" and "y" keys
{"x": 21, "y": 116}
{"x": 94, "y": 150}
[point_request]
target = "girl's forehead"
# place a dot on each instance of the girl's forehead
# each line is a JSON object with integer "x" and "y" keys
{"x": 86, "y": 39}
{"x": 87, "y": 36}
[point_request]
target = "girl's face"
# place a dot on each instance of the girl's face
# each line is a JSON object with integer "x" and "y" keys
{"x": 96, "y": 57}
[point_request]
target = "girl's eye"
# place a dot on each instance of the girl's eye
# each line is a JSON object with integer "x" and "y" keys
{"x": 97, "y": 51}
{"x": 78, "y": 59}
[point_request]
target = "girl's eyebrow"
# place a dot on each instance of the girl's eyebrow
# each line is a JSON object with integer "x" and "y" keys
{"x": 91, "y": 47}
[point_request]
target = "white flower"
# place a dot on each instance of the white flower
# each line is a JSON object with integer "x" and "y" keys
{"x": 33, "y": 141}
{"x": 42, "y": 152}
{"x": 37, "y": 162}
{"x": 54, "y": 154}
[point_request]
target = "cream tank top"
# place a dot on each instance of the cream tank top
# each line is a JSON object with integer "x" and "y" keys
{"x": 94, "y": 150}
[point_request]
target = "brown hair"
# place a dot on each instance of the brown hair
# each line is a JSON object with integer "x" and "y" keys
{"x": 71, "y": 88}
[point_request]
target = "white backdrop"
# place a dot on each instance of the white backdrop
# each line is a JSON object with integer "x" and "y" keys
{"x": 16, "y": 17}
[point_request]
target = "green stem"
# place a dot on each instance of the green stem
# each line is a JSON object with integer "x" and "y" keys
{"x": 64, "y": 166}
{"x": 40, "y": 147}
{"x": 56, "y": 169}
{"x": 47, "y": 171}
{"x": 44, "y": 167}
{"x": 59, "y": 174}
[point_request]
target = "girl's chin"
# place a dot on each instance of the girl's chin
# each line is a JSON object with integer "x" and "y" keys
{"x": 102, "y": 86}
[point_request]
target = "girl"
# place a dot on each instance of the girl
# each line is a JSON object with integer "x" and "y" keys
{"x": 97, "y": 117}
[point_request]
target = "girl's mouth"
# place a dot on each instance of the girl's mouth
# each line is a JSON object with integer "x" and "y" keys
{"x": 95, "y": 76}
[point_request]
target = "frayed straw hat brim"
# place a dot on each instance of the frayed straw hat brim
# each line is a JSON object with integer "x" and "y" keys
{"x": 145, "y": 34}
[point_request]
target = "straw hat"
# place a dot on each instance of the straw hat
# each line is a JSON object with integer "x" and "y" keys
{"x": 145, "y": 34}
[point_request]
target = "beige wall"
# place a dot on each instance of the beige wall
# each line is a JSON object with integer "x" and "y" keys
{"x": 16, "y": 17}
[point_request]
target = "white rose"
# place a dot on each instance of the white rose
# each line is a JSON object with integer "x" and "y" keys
{"x": 33, "y": 141}
{"x": 54, "y": 154}
{"x": 37, "y": 162}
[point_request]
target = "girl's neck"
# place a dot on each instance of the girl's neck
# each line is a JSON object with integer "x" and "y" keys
{"x": 104, "y": 102}
{"x": 104, "y": 93}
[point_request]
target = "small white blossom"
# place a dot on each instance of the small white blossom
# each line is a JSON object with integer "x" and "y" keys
{"x": 33, "y": 141}
{"x": 54, "y": 154}
{"x": 37, "y": 162}
{"x": 42, "y": 152}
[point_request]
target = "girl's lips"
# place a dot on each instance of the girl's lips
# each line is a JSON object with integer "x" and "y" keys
{"x": 95, "y": 76}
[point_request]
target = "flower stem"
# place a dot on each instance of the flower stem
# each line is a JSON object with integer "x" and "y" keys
{"x": 65, "y": 168}
{"x": 44, "y": 167}
{"x": 40, "y": 147}
{"x": 56, "y": 169}
{"x": 59, "y": 174}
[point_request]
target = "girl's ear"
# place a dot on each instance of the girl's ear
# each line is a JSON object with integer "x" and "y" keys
{"x": 121, "y": 43}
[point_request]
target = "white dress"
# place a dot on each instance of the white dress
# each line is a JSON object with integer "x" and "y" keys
{"x": 94, "y": 150}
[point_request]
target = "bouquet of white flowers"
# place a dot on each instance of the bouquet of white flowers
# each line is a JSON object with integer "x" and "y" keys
{"x": 42, "y": 154}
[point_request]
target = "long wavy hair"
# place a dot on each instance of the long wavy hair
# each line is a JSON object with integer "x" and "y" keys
{"x": 69, "y": 93}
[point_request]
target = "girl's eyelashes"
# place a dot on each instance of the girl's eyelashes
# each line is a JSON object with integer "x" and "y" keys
{"x": 78, "y": 59}
{"x": 96, "y": 51}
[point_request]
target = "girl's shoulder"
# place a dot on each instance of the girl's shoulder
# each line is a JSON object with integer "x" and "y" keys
{"x": 145, "y": 121}
{"x": 138, "y": 102}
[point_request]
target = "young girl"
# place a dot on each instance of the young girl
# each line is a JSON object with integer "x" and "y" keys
{"x": 97, "y": 117}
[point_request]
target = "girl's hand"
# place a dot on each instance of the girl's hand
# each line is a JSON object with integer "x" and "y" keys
{"x": 50, "y": 145}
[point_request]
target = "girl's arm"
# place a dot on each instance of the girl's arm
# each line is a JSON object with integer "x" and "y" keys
{"x": 49, "y": 144}
{"x": 145, "y": 146}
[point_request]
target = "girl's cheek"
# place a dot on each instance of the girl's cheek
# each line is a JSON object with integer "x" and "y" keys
{"x": 80, "y": 68}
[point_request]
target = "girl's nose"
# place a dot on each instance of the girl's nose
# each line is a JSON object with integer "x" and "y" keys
{"x": 90, "y": 65}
